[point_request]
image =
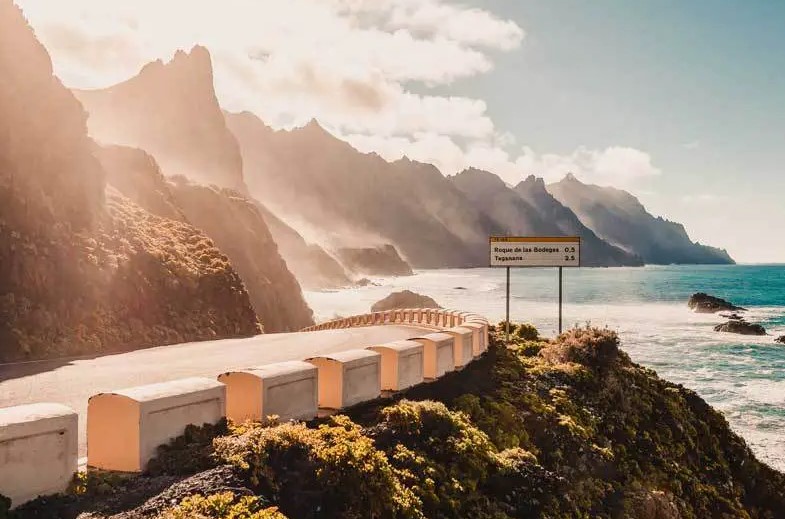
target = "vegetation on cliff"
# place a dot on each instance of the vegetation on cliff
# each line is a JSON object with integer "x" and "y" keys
{"x": 564, "y": 428}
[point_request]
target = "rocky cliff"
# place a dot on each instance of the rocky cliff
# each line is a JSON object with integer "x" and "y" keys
{"x": 81, "y": 271}
{"x": 529, "y": 210}
{"x": 232, "y": 221}
{"x": 314, "y": 267}
{"x": 619, "y": 218}
{"x": 238, "y": 228}
{"x": 594, "y": 250}
{"x": 170, "y": 110}
{"x": 348, "y": 197}
{"x": 383, "y": 260}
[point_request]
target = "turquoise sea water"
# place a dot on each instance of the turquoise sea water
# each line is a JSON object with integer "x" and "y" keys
{"x": 744, "y": 377}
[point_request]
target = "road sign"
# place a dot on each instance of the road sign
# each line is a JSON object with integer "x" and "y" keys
{"x": 535, "y": 251}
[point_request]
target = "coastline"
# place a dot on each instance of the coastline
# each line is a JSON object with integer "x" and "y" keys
{"x": 741, "y": 376}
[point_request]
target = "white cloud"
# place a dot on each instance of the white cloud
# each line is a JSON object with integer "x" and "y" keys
{"x": 349, "y": 63}
{"x": 615, "y": 165}
{"x": 437, "y": 18}
{"x": 618, "y": 166}
{"x": 703, "y": 199}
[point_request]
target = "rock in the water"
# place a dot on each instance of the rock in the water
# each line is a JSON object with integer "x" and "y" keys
{"x": 733, "y": 317}
{"x": 404, "y": 299}
{"x": 741, "y": 327}
{"x": 365, "y": 282}
{"x": 780, "y": 339}
{"x": 706, "y": 304}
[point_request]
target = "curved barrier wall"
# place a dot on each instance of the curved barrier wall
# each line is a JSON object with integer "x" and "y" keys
{"x": 38, "y": 442}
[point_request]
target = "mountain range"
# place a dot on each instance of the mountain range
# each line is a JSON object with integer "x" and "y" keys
{"x": 143, "y": 213}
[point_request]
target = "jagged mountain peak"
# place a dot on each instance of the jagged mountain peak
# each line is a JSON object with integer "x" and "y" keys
{"x": 532, "y": 184}
{"x": 570, "y": 177}
{"x": 196, "y": 65}
{"x": 171, "y": 111}
{"x": 477, "y": 174}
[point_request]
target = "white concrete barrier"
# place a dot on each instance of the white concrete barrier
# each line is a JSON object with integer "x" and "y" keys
{"x": 452, "y": 318}
{"x": 484, "y": 323}
{"x": 438, "y": 356}
{"x": 348, "y": 377}
{"x": 125, "y": 427}
{"x": 38, "y": 450}
{"x": 288, "y": 390}
{"x": 462, "y": 345}
{"x": 478, "y": 338}
{"x": 402, "y": 364}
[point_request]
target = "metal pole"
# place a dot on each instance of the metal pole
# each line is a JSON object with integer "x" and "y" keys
{"x": 507, "y": 319}
{"x": 560, "y": 297}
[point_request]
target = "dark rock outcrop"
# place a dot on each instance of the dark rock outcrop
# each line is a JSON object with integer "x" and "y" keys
{"x": 404, "y": 299}
{"x": 374, "y": 261}
{"x": 741, "y": 327}
{"x": 620, "y": 219}
{"x": 82, "y": 271}
{"x": 707, "y": 304}
{"x": 780, "y": 339}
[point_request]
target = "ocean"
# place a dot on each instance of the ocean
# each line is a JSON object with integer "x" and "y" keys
{"x": 744, "y": 377}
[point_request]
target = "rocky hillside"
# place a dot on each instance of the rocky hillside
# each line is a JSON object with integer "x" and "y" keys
{"x": 137, "y": 176}
{"x": 170, "y": 111}
{"x": 529, "y": 210}
{"x": 238, "y": 228}
{"x": 568, "y": 428}
{"x": 619, "y": 218}
{"x": 232, "y": 221}
{"x": 82, "y": 272}
{"x": 308, "y": 175}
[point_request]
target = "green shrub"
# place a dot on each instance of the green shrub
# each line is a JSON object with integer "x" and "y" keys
{"x": 591, "y": 347}
{"x": 527, "y": 332}
{"x": 332, "y": 471}
{"x": 442, "y": 456}
{"x": 221, "y": 506}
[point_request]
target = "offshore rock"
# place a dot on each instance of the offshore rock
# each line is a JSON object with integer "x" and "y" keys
{"x": 741, "y": 327}
{"x": 404, "y": 299}
{"x": 706, "y": 304}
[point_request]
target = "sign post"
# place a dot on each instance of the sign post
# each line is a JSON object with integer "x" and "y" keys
{"x": 507, "y": 318}
{"x": 535, "y": 251}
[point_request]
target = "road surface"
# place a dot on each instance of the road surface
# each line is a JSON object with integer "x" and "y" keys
{"x": 72, "y": 382}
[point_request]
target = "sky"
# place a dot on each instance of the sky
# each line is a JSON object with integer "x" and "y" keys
{"x": 681, "y": 103}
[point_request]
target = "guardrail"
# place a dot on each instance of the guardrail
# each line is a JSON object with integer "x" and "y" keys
{"x": 38, "y": 442}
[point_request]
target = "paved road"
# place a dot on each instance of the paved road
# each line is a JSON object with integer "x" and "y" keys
{"x": 73, "y": 382}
